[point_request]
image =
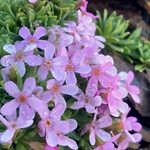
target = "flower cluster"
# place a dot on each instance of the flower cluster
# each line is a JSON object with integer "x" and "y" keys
{"x": 65, "y": 57}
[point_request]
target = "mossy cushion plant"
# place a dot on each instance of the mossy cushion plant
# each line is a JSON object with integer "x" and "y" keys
{"x": 120, "y": 38}
{"x": 17, "y": 13}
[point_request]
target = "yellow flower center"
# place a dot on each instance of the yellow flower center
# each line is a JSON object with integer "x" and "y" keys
{"x": 96, "y": 72}
{"x": 70, "y": 67}
{"x": 48, "y": 63}
{"x": 55, "y": 88}
{"x": 31, "y": 40}
{"x": 47, "y": 122}
{"x": 22, "y": 98}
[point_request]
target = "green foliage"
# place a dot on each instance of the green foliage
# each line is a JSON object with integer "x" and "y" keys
{"x": 17, "y": 13}
{"x": 120, "y": 38}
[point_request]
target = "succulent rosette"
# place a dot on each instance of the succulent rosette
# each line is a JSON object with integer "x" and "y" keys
{"x": 63, "y": 93}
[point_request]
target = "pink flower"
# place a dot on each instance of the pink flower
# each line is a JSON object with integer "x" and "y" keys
{"x": 56, "y": 89}
{"x": 51, "y": 64}
{"x": 113, "y": 96}
{"x": 59, "y": 38}
{"x": 24, "y": 100}
{"x": 109, "y": 144}
{"x": 75, "y": 30}
{"x": 50, "y": 148}
{"x": 73, "y": 66}
{"x": 131, "y": 124}
{"x": 13, "y": 124}
{"x": 83, "y": 8}
{"x": 19, "y": 56}
{"x": 55, "y": 130}
{"x": 30, "y": 40}
{"x": 132, "y": 89}
{"x": 89, "y": 100}
{"x": 100, "y": 74}
{"x": 95, "y": 129}
{"x": 129, "y": 127}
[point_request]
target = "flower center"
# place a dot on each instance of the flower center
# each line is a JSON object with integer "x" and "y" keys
{"x": 87, "y": 100}
{"x": 31, "y": 40}
{"x": 55, "y": 88}
{"x": 22, "y": 98}
{"x": 13, "y": 125}
{"x": 48, "y": 63}
{"x": 19, "y": 56}
{"x": 70, "y": 67}
{"x": 47, "y": 122}
{"x": 96, "y": 72}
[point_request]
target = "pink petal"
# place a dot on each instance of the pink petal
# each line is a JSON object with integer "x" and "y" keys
{"x": 106, "y": 67}
{"x": 33, "y": 60}
{"x": 71, "y": 78}
{"x": 11, "y": 49}
{"x": 29, "y": 85}
{"x": 59, "y": 99}
{"x": 11, "y": 88}
{"x": 65, "y": 141}
{"x": 77, "y": 57}
{"x": 34, "y": 103}
{"x": 96, "y": 101}
{"x": 91, "y": 88}
{"x": 51, "y": 137}
{"x": 26, "y": 112}
{"x": 100, "y": 38}
{"x": 7, "y": 135}
{"x": 42, "y": 73}
{"x": 58, "y": 73}
{"x": 49, "y": 51}
{"x": 92, "y": 137}
{"x": 22, "y": 123}
{"x": 57, "y": 111}
{"x": 105, "y": 136}
{"x": 21, "y": 68}
{"x": 46, "y": 96}
{"x": 39, "y": 32}
{"x": 69, "y": 89}
{"x": 134, "y": 89}
{"x": 42, "y": 44}
{"x": 137, "y": 137}
{"x": 90, "y": 109}
{"x": 130, "y": 136}
{"x": 41, "y": 128}
{"x": 7, "y": 60}
{"x": 30, "y": 47}
{"x": 104, "y": 122}
{"x": 65, "y": 40}
{"x": 123, "y": 107}
{"x": 135, "y": 98}
{"x": 50, "y": 83}
{"x": 9, "y": 108}
{"x": 24, "y": 32}
{"x": 66, "y": 126}
{"x": 77, "y": 105}
{"x": 130, "y": 77}
{"x": 136, "y": 126}
{"x": 112, "y": 102}
{"x": 83, "y": 69}
{"x": 123, "y": 145}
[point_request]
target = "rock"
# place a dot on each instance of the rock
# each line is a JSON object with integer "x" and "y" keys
{"x": 146, "y": 134}
{"x": 145, "y": 4}
{"x": 129, "y": 9}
